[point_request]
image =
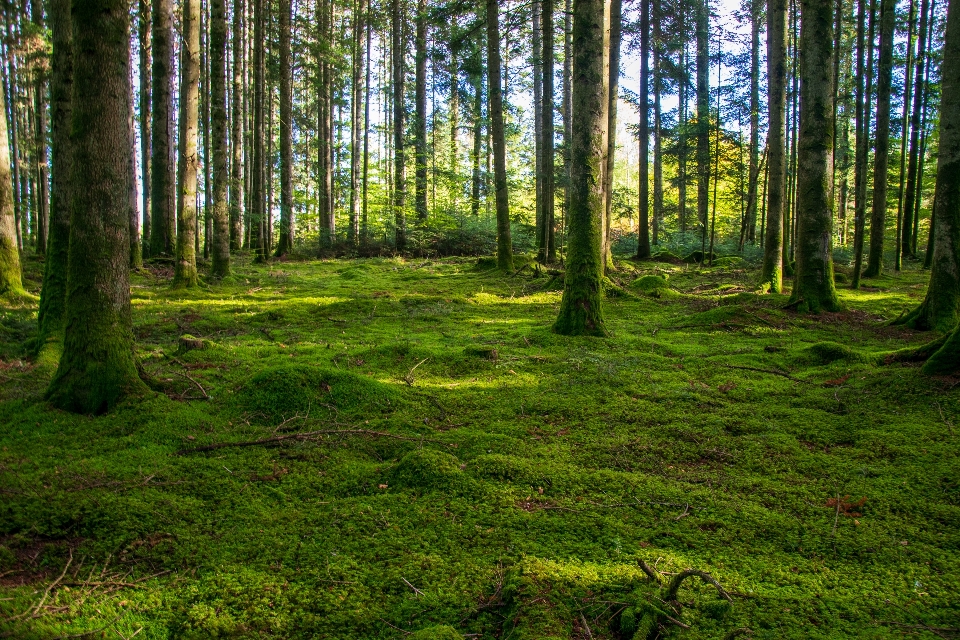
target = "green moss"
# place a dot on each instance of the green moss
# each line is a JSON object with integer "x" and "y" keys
{"x": 427, "y": 469}
{"x": 441, "y": 632}
{"x": 830, "y": 352}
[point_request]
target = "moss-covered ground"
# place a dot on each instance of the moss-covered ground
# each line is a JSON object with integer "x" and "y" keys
{"x": 468, "y": 473}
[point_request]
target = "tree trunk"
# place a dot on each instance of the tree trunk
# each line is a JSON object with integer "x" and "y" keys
{"x": 881, "y": 155}
{"x": 40, "y": 140}
{"x": 902, "y": 252}
{"x": 53, "y": 295}
{"x": 236, "y": 140}
{"x": 97, "y": 368}
{"x": 581, "y": 310}
{"x": 11, "y": 283}
{"x": 220, "y": 242}
{"x": 567, "y": 108}
{"x": 185, "y": 271}
{"x": 356, "y": 121}
{"x": 145, "y": 119}
{"x": 908, "y": 242}
{"x": 547, "y": 128}
{"x": 420, "y": 126}
{"x": 455, "y": 187}
{"x": 813, "y": 288}
{"x": 703, "y": 115}
{"x": 399, "y": 116}
{"x": 504, "y": 244}
{"x": 285, "y": 243}
{"x": 366, "y": 136}
{"x": 772, "y": 273}
{"x": 136, "y": 252}
{"x": 753, "y": 172}
{"x": 162, "y": 175}
{"x": 643, "y": 232}
{"x": 477, "y": 178}
{"x": 538, "y": 132}
{"x": 657, "y": 125}
{"x": 863, "y": 139}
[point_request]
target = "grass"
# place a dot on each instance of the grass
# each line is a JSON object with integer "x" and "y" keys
{"x": 469, "y": 472}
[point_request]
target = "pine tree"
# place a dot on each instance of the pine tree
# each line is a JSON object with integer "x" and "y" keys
{"x": 220, "y": 242}
{"x": 494, "y": 74}
{"x": 772, "y": 270}
{"x": 162, "y": 178}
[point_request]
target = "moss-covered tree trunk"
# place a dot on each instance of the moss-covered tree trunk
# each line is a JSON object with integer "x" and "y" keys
{"x": 163, "y": 203}
{"x": 185, "y": 269}
{"x": 97, "y": 368}
{"x": 220, "y": 242}
{"x": 581, "y": 310}
{"x": 495, "y": 90}
{"x": 772, "y": 274}
{"x": 54, "y": 293}
{"x": 11, "y": 282}
{"x": 881, "y": 155}
{"x": 813, "y": 288}
{"x": 939, "y": 309}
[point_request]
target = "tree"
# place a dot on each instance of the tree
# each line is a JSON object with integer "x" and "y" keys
{"x": 813, "y": 288}
{"x": 399, "y": 113}
{"x": 548, "y": 251}
{"x": 42, "y": 212}
{"x": 581, "y": 310}
{"x": 236, "y": 132}
{"x": 11, "y": 283}
{"x": 864, "y": 91}
{"x": 420, "y": 122}
{"x": 98, "y": 368}
{"x": 285, "y": 243}
{"x": 614, "y": 20}
{"x": 185, "y": 269}
{"x": 881, "y": 154}
{"x": 495, "y": 89}
{"x": 145, "y": 31}
{"x": 162, "y": 179}
{"x": 643, "y": 239}
{"x": 357, "y": 123}
{"x": 220, "y": 243}
{"x": 754, "y": 170}
{"x": 908, "y": 240}
{"x": 703, "y": 112}
{"x": 772, "y": 271}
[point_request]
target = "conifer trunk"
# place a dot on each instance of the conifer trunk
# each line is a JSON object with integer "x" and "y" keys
{"x": 353, "y": 233}
{"x": 236, "y": 138}
{"x": 11, "y": 282}
{"x": 813, "y": 288}
{"x": 772, "y": 274}
{"x": 185, "y": 269}
{"x": 98, "y": 368}
{"x": 145, "y": 32}
{"x": 547, "y": 165}
{"x": 703, "y": 113}
{"x": 865, "y": 89}
{"x": 643, "y": 237}
{"x": 495, "y": 90}
{"x": 657, "y": 127}
{"x": 42, "y": 211}
{"x": 420, "y": 126}
{"x": 908, "y": 241}
{"x": 399, "y": 118}
{"x": 581, "y": 310}
{"x": 753, "y": 173}
{"x": 163, "y": 202}
{"x": 220, "y": 242}
{"x": 285, "y": 243}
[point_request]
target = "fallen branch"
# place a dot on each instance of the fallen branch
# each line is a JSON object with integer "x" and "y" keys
{"x": 306, "y": 435}
{"x": 775, "y": 372}
{"x": 187, "y": 376}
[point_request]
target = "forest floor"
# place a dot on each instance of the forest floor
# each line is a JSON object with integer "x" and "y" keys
{"x": 435, "y": 455}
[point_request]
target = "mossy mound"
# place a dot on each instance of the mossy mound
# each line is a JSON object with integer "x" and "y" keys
{"x": 666, "y": 256}
{"x": 830, "y": 352}
{"x": 482, "y": 351}
{"x": 427, "y": 469}
{"x": 699, "y": 256}
{"x": 654, "y": 286}
{"x": 730, "y": 262}
{"x": 281, "y": 392}
{"x": 840, "y": 278}
{"x": 441, "y": 632}
{"x": 485, "y": 263}
{"x": 720, "y": 315}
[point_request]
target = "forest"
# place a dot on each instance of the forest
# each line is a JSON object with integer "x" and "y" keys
{"x": 516, "y": 319}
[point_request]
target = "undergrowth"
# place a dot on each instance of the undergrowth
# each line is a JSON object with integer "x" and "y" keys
{"x": 380, "y": 447}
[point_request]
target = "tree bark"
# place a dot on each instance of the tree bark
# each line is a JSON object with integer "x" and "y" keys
{"x": 881, "y": 157}
{"x": 236, "y": 140}
{"x": 145, "y": 119}
{"x": 40, "y": 140}
{"x": 495, "y": 90}
{"x": 813, "y": 288}
{"x": 420, "y": 126}
{"x": 11, "y": 283}
{"x": 643, "y": 232}
{"x": 547, "y": 166}
{"x": 399, "y": 117}
{"x": 657, "y": 125}
{"x": 285, "y": 243}
{"x": 772, "y": 272}
{"x": 477, "y": 177}
{"x": 97, "y": 368}
{"x": 581, "y": 308}
{"x": 537, "y": 46}
{"x": 754, "y": 169}
{"x": 703, "y": 113}
{"x": 863, "y": 140}
{"x": 162, "y": 167}
{"x": 220, "y": 242}
{"x": 908, "y": 242}
{"x": 185, "y": 269}
{"x": 356, "y": 122}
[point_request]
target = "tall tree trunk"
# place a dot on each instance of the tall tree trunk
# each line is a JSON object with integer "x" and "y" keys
{"x": 285, "y": 244}
{"x": 97, "y": 368}
{"x": 40, "y": 140}
{"x": 236, "y": 139}
{"x": 614, "y": 29}
{"x": 11, "y": 283}
{"x": 901, "y": 252}
{"x": 863, "y": 141}
{"x": 881, "y": 157}
{"x": 162, "y": 167}
{"x": 420, "y": 127}
{"x": 703, "y": 114}
{"x": 53, "y": 295}
{"x": 356, "y": 121}
{"x": 813, "y": 288}
{"x": 567, "y": 109}
{"x": 185, "y": 269}
{"x": 683, "y": 81}
{"x": 145, "y": 33}
{"x": 657, "y": 125}
{"x": 504, "y": 244}
{"x": 538, "y": 131}
{"x": 547, "y": 166}
{"x": 772, "y": 273}
{"x": 940, "y": 308}
{"x": 136, "y": 252}
{"x": 399, "y": 117}
{"x": 643, "y": 232}
{"x": 908, "y": 241}
{"x": 10, "y": 96}
{"x": 455, "y": 187}
{"x": 477, "y": 178}
{"x": 753, "y": 173}
{"x": 364, "y": 229}
{"x": 220, "y": 242}
{"x": 257, "y": 179}
{"x": 581, "y": 310}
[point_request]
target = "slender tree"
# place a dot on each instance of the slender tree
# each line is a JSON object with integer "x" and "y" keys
{"x": 285, "y": 244}
{"x": 185, "y": 269}
{"x": 236, "y": 132}
{"x": 145, "y": 31}
{"x": 754, "y": 168}
{"x": 657, "y": 124}
{"x": 399, "y": 118}
{"x": 703, "y": 113}
{"x": 863, "y": 141}
{"x": 162, "y": 177}
{"x": 772, "y": 272}
{"x": 547, "y": 167}
{"x": 420, "y": 123}
{"x": 908, "y": 241}
{"x": 97, "y": 368}
{"x": 11, "y": 282}
{"x": 581, "y": 310}
{"x": 356, "y": 122}
{"x": 497, "y": 133}
{"x": 643, "y": 238}
{"x": 220, "y": 242}
{"x": 813, "y": 288}
{"x": 42, "y": 211}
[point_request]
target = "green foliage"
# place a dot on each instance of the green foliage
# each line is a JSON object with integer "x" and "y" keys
{"x": 506, "y": 497}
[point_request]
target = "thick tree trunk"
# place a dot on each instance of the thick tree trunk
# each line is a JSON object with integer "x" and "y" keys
{"x": 881, "y": 157}
{"x": 399, "y": 117}
{"x": 285, "y": 244}
{"x": 420, "y": 126}
{"x": 53, "y": 296}
{"x": 145, "y": 119}
{"x": 97, "y": 368}
{"x": 185, "y": 269}
{"x": 504, "y": 244}
{"x": 162, "y": 174}
{"x": 220, "y": 242}
{"x": 11, "y": 283}
{"x": 547, "y": 127}
{"x": 236, "y": 141}
{"x": 772, "y": 273}
{"x": 581, "y": 310}
{"x": 643, "y": 232}
{"x": 813, "y": 288}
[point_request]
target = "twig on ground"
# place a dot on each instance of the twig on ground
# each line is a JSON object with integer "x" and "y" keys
{"x": 306, "y": 435}
{"x": 409, "y": 379}
{"x": 198, "y": 385}
{"x": 417, "y": 591}
{"x": 46, "y": 594}
{"x": 775, "y": 372}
